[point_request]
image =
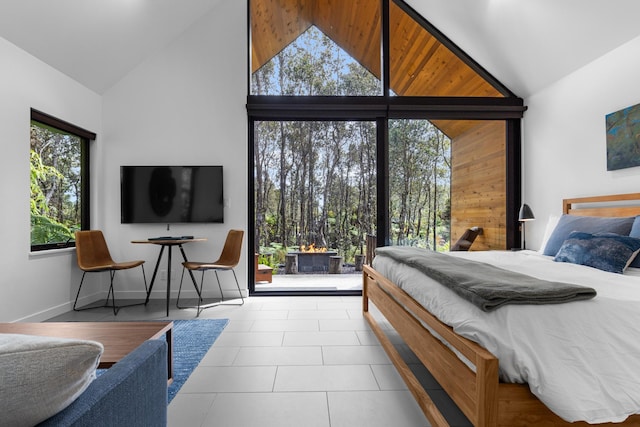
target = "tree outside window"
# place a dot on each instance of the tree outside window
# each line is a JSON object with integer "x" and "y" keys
{"x": 59, "y": 198}
{"x": 315, "y": 180}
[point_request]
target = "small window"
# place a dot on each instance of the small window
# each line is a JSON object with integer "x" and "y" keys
{"x": 59, "y": 184}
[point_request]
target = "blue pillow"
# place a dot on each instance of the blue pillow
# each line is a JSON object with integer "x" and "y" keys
{"x": 635, "y": 232}
{"x": 587, "y": 224}
{"x": 608, "y": 252}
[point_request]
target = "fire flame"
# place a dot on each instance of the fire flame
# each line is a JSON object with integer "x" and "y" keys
{"x": 312, "y": 248}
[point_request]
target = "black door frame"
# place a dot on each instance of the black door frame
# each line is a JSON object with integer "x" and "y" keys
{"x": 382, "y": 108}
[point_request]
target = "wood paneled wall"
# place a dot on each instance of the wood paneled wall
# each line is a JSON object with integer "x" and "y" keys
{"x": 478, "y": 184}
{"x": 420, "y": 64}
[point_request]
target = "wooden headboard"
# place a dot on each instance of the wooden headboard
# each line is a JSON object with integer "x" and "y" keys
{"x": 618, "y": 205}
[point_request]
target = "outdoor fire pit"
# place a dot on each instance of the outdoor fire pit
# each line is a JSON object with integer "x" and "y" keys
{"x": 313, "y": 262}
{"x": 310, "y": 259}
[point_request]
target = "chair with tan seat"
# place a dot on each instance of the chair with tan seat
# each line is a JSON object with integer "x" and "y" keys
{"x": 228, "y": 260}
{"x": 94, "y": 257}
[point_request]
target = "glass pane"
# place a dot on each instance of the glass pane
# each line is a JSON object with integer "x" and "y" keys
{"x": 315, "y": 48}
{"x": 55, "y": 185}
{"x": 419, "y": 65}
{"x": 445, "y": 177}
{"x": 315, "y": 184}
{"x": 419, "y": 184}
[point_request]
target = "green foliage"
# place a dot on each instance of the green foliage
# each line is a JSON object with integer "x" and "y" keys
{"x": 274, "y": 254}
{"x": 54, "y": 185}
{"x": 41, "y": 173}
{"x": 419, "y": 177}
{"x": 46, "y": 230}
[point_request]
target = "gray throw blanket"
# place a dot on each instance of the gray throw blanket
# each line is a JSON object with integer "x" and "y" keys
{"x": 485, "y": 285}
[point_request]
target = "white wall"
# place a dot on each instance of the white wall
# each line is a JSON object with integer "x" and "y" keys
{"x": 34, "y": 286}
{"x": 564, "y": 136}
{"x": 183, "y": 106}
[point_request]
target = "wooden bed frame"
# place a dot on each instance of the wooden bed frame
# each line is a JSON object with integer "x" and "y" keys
{"x": 479, "y": 395}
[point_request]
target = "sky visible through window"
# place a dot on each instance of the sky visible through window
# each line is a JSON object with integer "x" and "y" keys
{"x": 314, "y": 65}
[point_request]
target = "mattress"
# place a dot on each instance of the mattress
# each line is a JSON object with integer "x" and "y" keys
{"x": 581, "y": 359}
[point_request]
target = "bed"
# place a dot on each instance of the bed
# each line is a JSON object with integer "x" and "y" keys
{"x": 486, "y": 389}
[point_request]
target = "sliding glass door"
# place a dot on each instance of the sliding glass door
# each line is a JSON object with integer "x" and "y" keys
{"x": 419, "y": 184}
{"x": 314, "y": 202}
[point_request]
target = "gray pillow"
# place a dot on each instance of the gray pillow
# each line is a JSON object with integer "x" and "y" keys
{"x": 40, "y": 376}
{"x": 587, "y": 224}
{"x": 635, "y": 232}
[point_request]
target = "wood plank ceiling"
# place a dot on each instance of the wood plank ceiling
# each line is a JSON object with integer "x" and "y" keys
{"x": 420, "y": 65}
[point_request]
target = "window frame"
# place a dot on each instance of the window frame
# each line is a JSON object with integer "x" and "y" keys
{"x": 510, "y": 108}
{"x": 85, "y": 172}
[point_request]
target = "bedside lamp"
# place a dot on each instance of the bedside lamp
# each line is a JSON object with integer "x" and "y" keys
{"x": 526, "y": 214}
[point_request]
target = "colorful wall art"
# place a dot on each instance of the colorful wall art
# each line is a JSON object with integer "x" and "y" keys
{"x": 623, "y": 138}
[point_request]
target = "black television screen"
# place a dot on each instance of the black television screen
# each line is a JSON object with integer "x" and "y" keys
{"x": 171, "y": 194}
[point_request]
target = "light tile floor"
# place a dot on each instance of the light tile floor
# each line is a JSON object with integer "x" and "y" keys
{"x": 291, "y": 361}
{"x": 320, "y": 282}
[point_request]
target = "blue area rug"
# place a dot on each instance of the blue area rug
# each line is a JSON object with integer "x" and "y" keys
{"x": 191, "y": 341}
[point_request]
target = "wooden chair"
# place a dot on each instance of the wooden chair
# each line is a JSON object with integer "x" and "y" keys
{"x": 466, "y": 240}
{"x": 94, "y": 257}
{"x": 263, "y": 272}
{"x": 228, "y": 260}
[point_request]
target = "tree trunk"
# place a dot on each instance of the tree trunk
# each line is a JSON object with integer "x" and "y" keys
{"x": 335, "y": 264}
{"x": 291, "y": 264}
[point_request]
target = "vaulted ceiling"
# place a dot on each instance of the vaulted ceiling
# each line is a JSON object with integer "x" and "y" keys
{"x": 420, "y": 65}
{"x": 527, "y": 45}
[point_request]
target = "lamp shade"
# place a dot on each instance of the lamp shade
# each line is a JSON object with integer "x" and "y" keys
{"x": 526, "y": 214}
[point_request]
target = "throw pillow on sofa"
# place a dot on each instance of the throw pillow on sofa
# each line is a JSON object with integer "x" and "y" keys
{"x": 40, "y": 376}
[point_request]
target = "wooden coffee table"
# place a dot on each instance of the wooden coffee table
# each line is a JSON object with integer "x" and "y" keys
{"x": 118, "y": 338}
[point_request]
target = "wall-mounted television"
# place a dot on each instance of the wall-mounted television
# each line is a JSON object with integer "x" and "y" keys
{"x": 171, "y": 194}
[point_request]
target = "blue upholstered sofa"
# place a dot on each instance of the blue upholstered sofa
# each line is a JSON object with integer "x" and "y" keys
{"x": 133, "y": 392}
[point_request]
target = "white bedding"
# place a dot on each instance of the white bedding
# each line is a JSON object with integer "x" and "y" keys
{"x": 581, "y": 359}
